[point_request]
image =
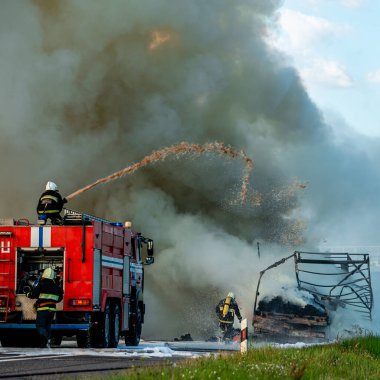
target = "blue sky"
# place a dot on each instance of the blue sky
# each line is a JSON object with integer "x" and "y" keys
{"x": 334, "y": 45}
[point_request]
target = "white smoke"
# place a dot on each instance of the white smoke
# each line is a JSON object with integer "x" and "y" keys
{"x": 90, "y": 87}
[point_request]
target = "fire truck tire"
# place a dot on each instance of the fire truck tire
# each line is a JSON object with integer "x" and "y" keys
{"x": 115, "y": 332}
{"x": 56, "y": 340}
{"x": 83, "y": 339}
{"x": 88, "y": 339}
{"x": 132, "y": 337}
{"x": 20, "y": 340}
{"x": 6, "y": 341}
{"x": 106, "y": 327}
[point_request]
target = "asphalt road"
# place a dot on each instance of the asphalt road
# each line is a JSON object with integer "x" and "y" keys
{"x": 56, "y": 366}
{"x": 70, "y": 362}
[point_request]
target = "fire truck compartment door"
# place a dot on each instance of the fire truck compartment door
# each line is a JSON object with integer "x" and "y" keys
{"x": 97, "y": 278}
{"x": 126, "y": 287}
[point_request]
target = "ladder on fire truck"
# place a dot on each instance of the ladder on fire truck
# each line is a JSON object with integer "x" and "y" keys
{"x": 75, "y": 217}
{"x": 5, "y": 289}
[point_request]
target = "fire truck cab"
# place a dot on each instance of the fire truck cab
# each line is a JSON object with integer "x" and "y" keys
{"x": 98, "y": 263}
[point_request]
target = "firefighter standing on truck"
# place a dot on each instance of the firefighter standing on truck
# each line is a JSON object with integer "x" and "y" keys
{"x": 51, "y": 203}
{"x": 48, "y": 294}
{"x": 226, "y": 310}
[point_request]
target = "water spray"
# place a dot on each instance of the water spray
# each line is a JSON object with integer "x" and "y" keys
{"x": 179, "y": 150}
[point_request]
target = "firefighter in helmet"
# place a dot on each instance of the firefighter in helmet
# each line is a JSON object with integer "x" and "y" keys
{"x": 51, "y": 203}
{"x": 48, "y": 294}
{"x": 226, "y": 310}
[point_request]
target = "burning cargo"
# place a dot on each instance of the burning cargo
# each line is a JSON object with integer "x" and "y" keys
{"x": 280, "y": 319}
{"x": 325, "y": 281}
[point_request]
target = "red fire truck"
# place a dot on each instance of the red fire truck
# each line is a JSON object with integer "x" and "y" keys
{"x": 100, "y": 267}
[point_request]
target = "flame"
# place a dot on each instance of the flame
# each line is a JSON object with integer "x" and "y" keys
{"x": 159, "y": 38}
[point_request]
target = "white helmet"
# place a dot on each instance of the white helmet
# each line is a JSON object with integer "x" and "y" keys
{"x": 51, "y": 186}
{"x": 48, "y": 273}
{"x": 231, "y": 295}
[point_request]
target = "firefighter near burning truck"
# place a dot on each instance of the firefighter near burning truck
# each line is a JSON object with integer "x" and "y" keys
{"x": 99, "y": 265}
{"x": 226, "y": 310}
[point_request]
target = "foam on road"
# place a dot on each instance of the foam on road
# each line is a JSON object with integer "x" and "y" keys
{"x": 145, "y": 349}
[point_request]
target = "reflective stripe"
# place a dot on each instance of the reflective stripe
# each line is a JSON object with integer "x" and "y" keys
{"x": 48, "y": 212}
{"x": 46, "y": 296}
{"x": 55, "y": 199}
{"x": 112, "y": 262}
{"x": 46, "y": 308}
{"x": 226, "y": 321}
{"x": 46, "y": 303}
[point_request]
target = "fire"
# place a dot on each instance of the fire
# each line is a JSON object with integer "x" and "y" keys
{"x": 159, "y": 38}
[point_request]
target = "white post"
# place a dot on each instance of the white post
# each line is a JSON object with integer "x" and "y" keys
{"x": 244, "y": 336}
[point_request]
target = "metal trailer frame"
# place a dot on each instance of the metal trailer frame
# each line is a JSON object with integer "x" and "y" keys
{"x": 350, "y": 273}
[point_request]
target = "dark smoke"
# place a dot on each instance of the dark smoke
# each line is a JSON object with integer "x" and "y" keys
{"x": 90, "y": 87}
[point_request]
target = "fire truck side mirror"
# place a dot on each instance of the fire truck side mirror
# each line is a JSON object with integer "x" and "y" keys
{"x": 149, "y": 260}
{"x": 149, "y": 247}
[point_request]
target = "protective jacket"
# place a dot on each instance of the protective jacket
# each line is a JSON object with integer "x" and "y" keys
{"x": 50, "y": 202}
{"x": 226, "y": 310}
{"x": 48, "y": 294}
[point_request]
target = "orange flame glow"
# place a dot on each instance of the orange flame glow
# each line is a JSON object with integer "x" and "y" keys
{"x": 158, "y": 39}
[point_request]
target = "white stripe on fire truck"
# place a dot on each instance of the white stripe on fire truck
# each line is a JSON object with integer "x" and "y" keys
{"x": 136, "y": 267}
{"x": 40, "y": 237}
{"x": 112, "y": 262}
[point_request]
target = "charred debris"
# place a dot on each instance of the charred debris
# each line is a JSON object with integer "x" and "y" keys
{"x": 326, "y": 282}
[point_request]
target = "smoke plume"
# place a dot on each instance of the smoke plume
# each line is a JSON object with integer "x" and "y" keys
{"x": 90, "y": 87}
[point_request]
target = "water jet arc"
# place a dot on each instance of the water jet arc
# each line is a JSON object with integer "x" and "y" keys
{"x": 178, "y": 150}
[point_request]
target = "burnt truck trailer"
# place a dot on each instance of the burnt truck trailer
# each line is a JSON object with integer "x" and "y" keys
{"x": 100, "y": 267}
{"x": 325, "y": 281}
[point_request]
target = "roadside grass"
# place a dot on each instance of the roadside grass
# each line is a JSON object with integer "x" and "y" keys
{"x": 369, "y": 344}
{"x": 357, "y": 359}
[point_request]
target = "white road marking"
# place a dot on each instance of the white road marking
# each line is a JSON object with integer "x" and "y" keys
{"x": 20, "y": 357}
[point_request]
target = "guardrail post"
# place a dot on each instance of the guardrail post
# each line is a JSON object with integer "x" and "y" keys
{"x": 244, "y": 336}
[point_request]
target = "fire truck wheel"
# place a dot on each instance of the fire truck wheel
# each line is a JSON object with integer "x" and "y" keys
{"x": 83, "y": 339}
{"x": 132, "y": 337}
{"x": 56, "y": 340}
{"x": 6, "y": 341}
{"x": 89, "y": 338}
{"x": 15, "y": 340}
{"x": 106, "y": 327}
{"x": 115, "y": 333}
